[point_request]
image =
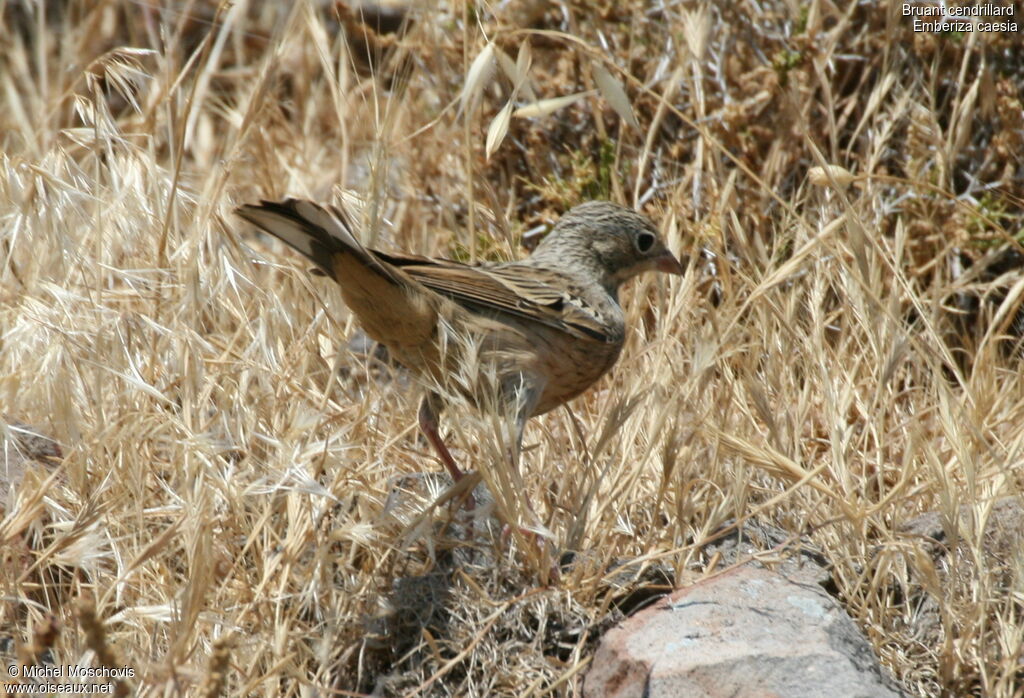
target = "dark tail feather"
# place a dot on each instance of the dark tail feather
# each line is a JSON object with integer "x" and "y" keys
{"x": 318, "y": 232}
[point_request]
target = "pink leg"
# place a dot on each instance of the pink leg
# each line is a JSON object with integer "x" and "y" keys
{"x": 428, "y": 424}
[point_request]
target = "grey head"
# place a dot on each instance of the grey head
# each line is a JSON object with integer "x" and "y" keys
{"x": 605, "y": 242}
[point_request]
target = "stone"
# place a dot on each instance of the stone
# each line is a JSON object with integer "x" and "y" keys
{"x": 743, "y": 632}
{"x": 942, "y": 558}
{"x": 22, "y": 448}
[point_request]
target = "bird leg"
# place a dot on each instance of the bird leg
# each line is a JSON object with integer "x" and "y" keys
{"x": 428, "y": 425}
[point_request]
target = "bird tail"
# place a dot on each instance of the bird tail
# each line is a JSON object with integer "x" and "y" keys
{"x": 393, "y": 308}
{"x": 320, "y": 233}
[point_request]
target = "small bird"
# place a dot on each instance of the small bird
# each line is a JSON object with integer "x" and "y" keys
{"x": 531, "y": 335}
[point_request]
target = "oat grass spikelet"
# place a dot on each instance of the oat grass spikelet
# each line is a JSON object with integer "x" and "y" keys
{"x": 841, "y": 357}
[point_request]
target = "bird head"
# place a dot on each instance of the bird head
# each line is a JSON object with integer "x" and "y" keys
{"x": 610, "y": 241}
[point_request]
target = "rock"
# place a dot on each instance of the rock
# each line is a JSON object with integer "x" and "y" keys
{"x": 22, "y": 448}
{"x": 373, "y": 30}
{"x": 1003, "y": 530}
{"x": 744, "y": 632}
{"x": 426, "y": 504}
{"x": 949, "y": 563}
{"x": 797, "y": 559}
{"x": 384, "y": 17}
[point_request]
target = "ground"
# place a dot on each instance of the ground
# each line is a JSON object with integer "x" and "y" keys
{"x": 215, "y": 511}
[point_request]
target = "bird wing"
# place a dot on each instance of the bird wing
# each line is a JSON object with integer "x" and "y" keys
{"x": 520, "y": 290}
{"x": 386, "y": 289}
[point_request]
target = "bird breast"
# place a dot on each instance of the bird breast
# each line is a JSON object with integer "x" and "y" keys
{"x": 571, "y": 368}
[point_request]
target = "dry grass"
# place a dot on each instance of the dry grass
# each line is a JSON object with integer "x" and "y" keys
{"x": 215, "y": 520}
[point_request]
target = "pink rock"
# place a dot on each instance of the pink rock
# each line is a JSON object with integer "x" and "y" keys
{"x": 746, "y": 632}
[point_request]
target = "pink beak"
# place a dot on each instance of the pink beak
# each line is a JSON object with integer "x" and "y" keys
{"x": 667, "y": 263}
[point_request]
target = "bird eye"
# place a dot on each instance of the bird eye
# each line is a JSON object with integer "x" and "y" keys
{"x": 644, "y": 242}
